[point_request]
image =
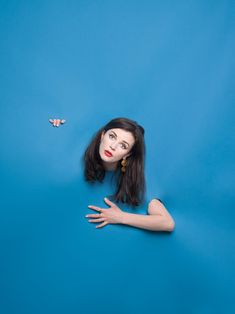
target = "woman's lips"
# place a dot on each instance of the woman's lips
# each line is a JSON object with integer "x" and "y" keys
{"x": 108, "y": 153}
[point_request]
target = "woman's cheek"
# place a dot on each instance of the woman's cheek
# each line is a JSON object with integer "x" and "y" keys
{"x": 101, "y": 147}
{"x": 106, "y": 142}
{"x": 119, "y": 157}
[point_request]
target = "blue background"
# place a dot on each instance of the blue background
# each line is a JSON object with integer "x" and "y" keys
{"x": 169, "y": 65}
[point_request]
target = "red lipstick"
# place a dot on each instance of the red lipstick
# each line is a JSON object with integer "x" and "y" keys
{"x": 108, "y": 153}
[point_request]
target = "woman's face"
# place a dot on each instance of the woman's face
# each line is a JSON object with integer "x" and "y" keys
{"x": 115, "y": 145}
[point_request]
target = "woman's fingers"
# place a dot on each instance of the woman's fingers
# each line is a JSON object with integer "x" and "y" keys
{"x": 57, "y": 122}
{"x": 54, "y": 121}
{"x": 96, "y": 220}
{"x": 93, "y": 215}
{"x": 95, "y": 208}
{"x": 100, "y": 219}
{"x": 102, "y": 225}
{"x": 107, "y": 201}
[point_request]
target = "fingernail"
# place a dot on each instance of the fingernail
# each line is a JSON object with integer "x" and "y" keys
{"x": 86, "y": 216}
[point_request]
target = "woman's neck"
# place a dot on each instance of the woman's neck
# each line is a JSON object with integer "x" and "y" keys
{"x": 110, "y": 166}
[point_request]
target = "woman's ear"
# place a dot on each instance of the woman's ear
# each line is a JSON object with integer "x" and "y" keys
{"x": 127, "y": 155}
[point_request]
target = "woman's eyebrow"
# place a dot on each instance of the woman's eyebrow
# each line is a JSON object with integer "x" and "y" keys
{"x": 123, "y": 141}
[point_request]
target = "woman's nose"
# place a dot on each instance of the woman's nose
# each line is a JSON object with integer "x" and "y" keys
{"x": 112, "y": 146}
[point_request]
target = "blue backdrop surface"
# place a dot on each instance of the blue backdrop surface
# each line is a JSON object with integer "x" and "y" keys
{"x": 169, "y": 65}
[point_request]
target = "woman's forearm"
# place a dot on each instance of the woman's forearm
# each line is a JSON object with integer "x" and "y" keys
{"x": 149, "y": 222}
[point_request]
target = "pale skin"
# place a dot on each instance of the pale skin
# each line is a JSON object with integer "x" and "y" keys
{"x": 120, "y": 142}
{"x": 57, "y": 122}
{"x": 158, "y": 218}
{"x": 117, "y": 141}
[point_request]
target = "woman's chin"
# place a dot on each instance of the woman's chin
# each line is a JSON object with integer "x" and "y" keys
{"x": 107, "y": 160}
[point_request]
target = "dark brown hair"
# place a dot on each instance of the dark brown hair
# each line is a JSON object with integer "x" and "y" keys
{"x": 130, "y": 184}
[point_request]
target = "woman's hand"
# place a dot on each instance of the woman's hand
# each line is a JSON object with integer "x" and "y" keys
{"x": 112, "y": 215}
{"x": 57, "y": 122}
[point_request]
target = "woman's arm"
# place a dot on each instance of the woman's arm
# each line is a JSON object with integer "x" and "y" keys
{"x": 158, "y": 218}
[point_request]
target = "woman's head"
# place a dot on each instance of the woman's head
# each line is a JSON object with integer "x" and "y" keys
{"x": 120, "y": 139}
{"x": 115, "y": 144}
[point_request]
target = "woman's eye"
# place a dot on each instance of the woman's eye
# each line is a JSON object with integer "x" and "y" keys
{"x": 123, "y": 146}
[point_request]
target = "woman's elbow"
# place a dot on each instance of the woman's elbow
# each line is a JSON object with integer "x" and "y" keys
{"x": 171, "y": 226}
{"x": 167, "y": 224}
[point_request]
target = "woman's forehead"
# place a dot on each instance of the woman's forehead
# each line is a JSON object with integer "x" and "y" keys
{"x": 123, "y": 135}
